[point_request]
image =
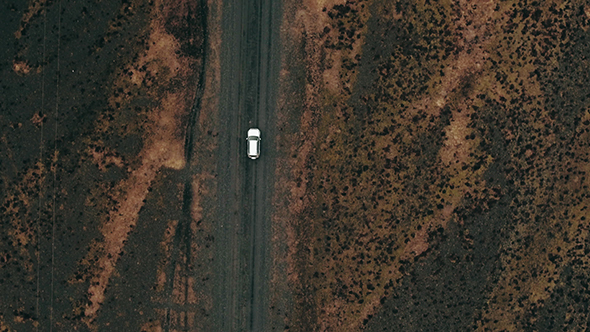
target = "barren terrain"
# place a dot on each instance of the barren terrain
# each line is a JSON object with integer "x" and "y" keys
{"x": 424, "y": 165}
{"x": 438, "y": 175}
{"x": 95, "y": 158}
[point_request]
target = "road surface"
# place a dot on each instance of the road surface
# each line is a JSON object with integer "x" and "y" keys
{"x": 249, "y": 76}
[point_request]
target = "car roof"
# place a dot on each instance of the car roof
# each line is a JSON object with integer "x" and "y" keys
{"x": 252, "y": 147}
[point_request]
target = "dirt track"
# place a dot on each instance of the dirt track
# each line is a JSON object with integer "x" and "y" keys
{"x": 248, "y": 74}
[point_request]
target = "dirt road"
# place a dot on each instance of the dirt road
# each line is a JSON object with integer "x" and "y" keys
{"x": 249, "y": 73}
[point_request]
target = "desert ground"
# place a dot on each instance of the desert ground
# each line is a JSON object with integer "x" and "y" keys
{"x": 423, "y": 166}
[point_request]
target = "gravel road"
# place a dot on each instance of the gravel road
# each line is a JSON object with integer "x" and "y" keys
{"x": 249, "y": 75}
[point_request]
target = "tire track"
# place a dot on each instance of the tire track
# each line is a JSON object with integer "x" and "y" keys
{"x": 55, "y": 161}
{"x": 183, "y": 236}
{"x": 228, "y": 295}
{"x": 41, "y": 144}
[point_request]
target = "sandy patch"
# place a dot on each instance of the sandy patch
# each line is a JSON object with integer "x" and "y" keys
{"x": 22, "y": 68}
{"x": 475, "y": 26}
{"x": 155, "y": 326}
{"x": 34, "y": 10}
{"x": 456, "y": 147}
{"x": 104, "y": 157}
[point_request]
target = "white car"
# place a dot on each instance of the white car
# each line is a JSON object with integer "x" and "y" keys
{"x": 253, "y": 143}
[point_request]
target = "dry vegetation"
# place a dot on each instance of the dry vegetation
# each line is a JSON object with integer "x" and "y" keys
{"x": 112, "y": 138}
{"x": 427, "y": 113}
{"x": 157, "y": 78}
